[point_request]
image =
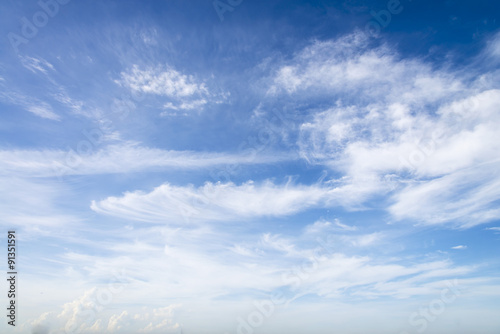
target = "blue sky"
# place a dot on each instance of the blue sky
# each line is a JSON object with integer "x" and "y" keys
{"x": 252, "y": 166}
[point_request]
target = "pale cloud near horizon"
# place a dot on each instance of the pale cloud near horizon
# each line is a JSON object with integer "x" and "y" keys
{"x": 157, "y": 276}
{"x": 87, "y": 314}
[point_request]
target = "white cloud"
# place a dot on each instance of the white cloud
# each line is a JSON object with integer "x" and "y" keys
{"x": 180, "y": 109}
{"x": 337, "y": 274}
{"x": 219, "y": 201}
{"x": 495, "y": 229}
{"x": 323, "y": 226}
{"x": 364, "y": 240}
{"x": 162, "y": 81}
{"x": 317, "y": 227}
{"x": 344, "y": 226}
{"x": 165, "y": 263}
{"x": 196, "y": 104}
{"x": 465, "y": 198}
{"x": 278, "y": 243}
{"x": 493, "y": 48}
{"x": 74, "y": 105}
{"x": 349, "y": 65}
{"x": 33, "y": 105}
{"x": 89, "y": 158}
{"x": 189, "y": 256}
{"x": 398, "y": 125}
{"x": 459, "y": 247}
{"x": 90, "y": 313}
{"x": 36, "y": 64}
{"x": 178, "y": 93}
{"x": 43, "y": 110}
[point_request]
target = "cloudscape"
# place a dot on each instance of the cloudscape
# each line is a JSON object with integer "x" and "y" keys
{"x": 240, "y": 167}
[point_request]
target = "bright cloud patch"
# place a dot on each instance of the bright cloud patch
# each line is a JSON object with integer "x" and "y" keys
{"x": 168, "y": 203}
{"x": 428, "y": 135}
{"x": 167, "y": 82}
{"x": 178, "y": 93}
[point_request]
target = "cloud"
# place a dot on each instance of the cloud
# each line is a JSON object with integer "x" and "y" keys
{"x": 344, "y": 226}
{"x": 336, "y": 274}
{"x": 351, "y": 65}
{"x": 422, "y": 134}
{"x": 43, "y": 110}
{"x": 364, "y": 240}
{"x": 161, "y": 81}
{"x": 278, "y": 243}
{"x": 90, "y": 314}
{"x": 196, "y": 104}
{"x": 323, "y": 226}
{"x": 419, "y": 139}
{"x": 181, "y": 109}
{"x": 90, "y": 159}
{"x": 493, "y": 47}
{"x": 459, "y": 247}
{"x": 317, "y": 227}
{"x": 398, "y": 126}
{"x": 74, "y": 105}
{"x": 494, "y": 229}
{"x": 32, "y": 204}
{"x": 39, "y": 108}
{"x": 176, "y": 92}
{"x": 36, "y": 64}
{"x": 465, "y": 198}
{"x": 272, "y": 262}
{"x": 213, "y": 202}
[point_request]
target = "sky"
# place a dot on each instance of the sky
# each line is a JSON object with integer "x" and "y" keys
{"x": 240, "y": 167}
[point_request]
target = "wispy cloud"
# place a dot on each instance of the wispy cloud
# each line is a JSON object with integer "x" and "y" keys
{"x": 351, "y": 65}
{"x": 398, "y": 126}
{"x": 39, "y": 108}
{"x": 34, "y": 204}
{"x": 43, "y": 110}
{"x": 36, "y": 64}
{"x": 323, "y": 226}
{"x": 213, "y": 202}
{"x": 465, "y": 197}
{"x": 124, "y": 158}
